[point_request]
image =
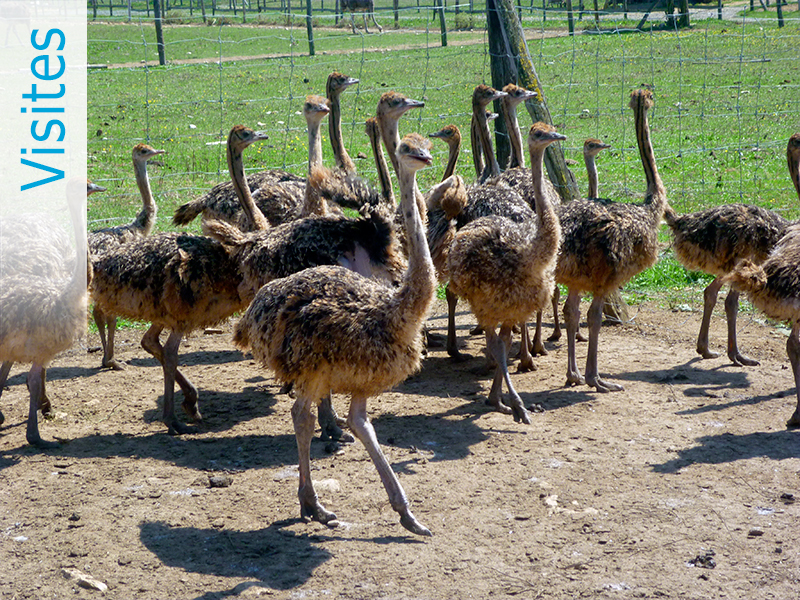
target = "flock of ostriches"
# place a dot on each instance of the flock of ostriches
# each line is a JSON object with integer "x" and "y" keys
{"x": 334, "y": 303}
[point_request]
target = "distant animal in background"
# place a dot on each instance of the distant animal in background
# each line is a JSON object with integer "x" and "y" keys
{"x": 362, "y": 6}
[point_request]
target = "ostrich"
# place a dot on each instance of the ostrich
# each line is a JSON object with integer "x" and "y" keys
{"x": 392, "y": 106}
{"x": 34, "y": 245}
{"x": 362, "y": 6}
{"x": 505, "y": 270}
{"x": 604, "y": 245}
{"x": 42, "y": 316}
{"x": 280, "y": 196}
{"x": 490, "y": 198}
{"x": 715, "y": 239}
{"x": 336, "y": 84}
{"x": 591, "y": 148}
{"x": 101, "y": 240}
{"x": 328, "y": 328}
{"x": 450, "y": 135}
{"x": 774, "y": 286}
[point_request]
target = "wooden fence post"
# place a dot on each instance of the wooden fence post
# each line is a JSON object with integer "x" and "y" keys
{"x": 159, "y": 33}
{"x": 309, "y": 28}
{"x": 511, "y": 63}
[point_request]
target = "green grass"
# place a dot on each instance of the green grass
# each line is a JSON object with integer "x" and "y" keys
{"x": 726, "y": 102}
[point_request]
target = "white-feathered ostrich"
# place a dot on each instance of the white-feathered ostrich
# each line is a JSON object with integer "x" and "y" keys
{"x": 102, "y": 240}
{"x": 714, "y": 240}
{"x": 604, "y": 245}
{"x": 505, "y": 270}
{"x": 328, "y": 328}
{"x": 42, "y": 316}
{"x": 38, "y": 246}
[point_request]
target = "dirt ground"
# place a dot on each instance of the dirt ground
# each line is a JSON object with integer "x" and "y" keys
{"x": 635, "y": 494}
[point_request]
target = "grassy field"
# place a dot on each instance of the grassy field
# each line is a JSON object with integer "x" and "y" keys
{"x": 726, "y": 103}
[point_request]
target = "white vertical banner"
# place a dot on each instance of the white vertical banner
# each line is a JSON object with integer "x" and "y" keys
{"x": 43, "y": 116}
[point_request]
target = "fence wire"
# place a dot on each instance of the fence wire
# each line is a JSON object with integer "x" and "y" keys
{"x": 726, "y": 92}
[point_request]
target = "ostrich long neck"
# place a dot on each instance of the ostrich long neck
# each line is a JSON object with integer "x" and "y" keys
{"x": 591, "y": 174}
{"x": 452, "y": 158}
{"x": 146, "y": 218}
{"x": 547, "y": 222}
{"x": 314, "y": 143}
{"x": 656, "y": 196}
{"x": 492, "y": 168}
{"x": 384, "y": 179}
{"x": 793, "y": 158}
{"x": 257, "y": 220}
{"x": 390, "y": 134}
{"x": 517, "y": 157}
{"x": 419, "y": 283}
{"x": 343, "y": 160}
{"x": 475, "y": 143}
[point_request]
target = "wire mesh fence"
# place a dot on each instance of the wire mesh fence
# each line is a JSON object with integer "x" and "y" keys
{"x": 726, "y": 91}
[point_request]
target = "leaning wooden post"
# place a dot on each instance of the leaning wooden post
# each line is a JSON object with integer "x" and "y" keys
{"x": 511, "y": 63}
{"x": 309, "y": 28}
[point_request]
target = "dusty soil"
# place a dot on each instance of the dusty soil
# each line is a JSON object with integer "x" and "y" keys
{"x": 628, "y": 495}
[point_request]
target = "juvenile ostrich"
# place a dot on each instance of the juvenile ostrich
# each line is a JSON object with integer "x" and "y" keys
{"x": 362, "y": 6}
{"x": 42, "y": 316}
{"x": 335, "y": 85}
{"x": 604, "y": 245}
{"x": 329, "y": 329}
{"x": 774, "y": 286}
{"x": 505, "y": 270}
{"x": 490, "y": 198}
{"x": 280, "y": 196}
{"x": 37, "y": 246}
{"x": 102, "y": 240}
{"x": 591, "y": 148}
{"x": 715, "y": 239}
{"x": 179, "y": 282}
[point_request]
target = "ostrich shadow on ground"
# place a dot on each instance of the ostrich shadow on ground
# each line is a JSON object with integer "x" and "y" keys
{"x": 276, "y": 557}
{"x": 713, "y": 378}
{"x": 191, "y": 358}
{"x": 728, "y": 447}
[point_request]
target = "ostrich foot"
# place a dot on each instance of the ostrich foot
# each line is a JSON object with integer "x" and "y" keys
{"x": 706, "y": 353}
{"x": 603, "y": 386}
{"x": 44, "y": 406}
{"x": 740, "y": 360}
{"x": 498, "y": 405}
{"x": 521, "y": 415}
{"x": 175, "y": 427}
{"x": 41, "y": 444}
{"x": 410, "y": 522}
{"x": 435, "y": 340}
{"x": 477, "y": 330}
{"x": 288, "y": 389}
{"x": 579, "y": 337}
{"x": 331, "y": 424}
{"x": 313, "y": 509}
{"x": 2, "y": 418}
{"x": 555, "y": 336}
{"x": 457, "y": 355}
{"x": 113, "y": 364}
{"x": 574, "y": 378}
{"x": 794, "y": 420}
{"x": 526, "y": 364}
